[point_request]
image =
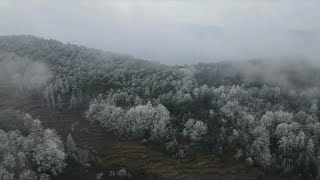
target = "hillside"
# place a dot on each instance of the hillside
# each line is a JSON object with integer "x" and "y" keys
{"x": 216, "y": 115}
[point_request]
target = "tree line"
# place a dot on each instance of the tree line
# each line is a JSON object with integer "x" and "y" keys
{"x": 263, "y": 111}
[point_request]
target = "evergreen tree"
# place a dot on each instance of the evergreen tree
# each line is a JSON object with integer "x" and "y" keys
{"x": 59, "y": 102}
{"x": 71, "y": 148}
{"x": 53, "y": 101}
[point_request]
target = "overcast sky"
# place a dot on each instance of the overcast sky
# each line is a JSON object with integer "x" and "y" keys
{"x": 174, "y": 31}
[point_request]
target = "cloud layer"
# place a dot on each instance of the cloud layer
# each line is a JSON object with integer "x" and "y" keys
{"x": 174, "y": 32}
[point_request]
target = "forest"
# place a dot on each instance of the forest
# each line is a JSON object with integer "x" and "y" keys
{"x": 29, "y": 152}
{"x": 265, "y": 112}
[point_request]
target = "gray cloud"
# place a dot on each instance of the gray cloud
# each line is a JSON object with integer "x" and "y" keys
{"x": 174, "y": 32}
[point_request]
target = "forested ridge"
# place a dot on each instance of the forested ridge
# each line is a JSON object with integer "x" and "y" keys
{"x": 265, "y": 112}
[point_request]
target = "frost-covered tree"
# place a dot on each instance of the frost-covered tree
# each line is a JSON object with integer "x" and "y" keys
{"x": 73, "y": 104}
{"x": 267, "y": 119}
{"x": 49, "y": 157}
{"x": 5, "y": 175}
{"x": 53, "y": 102}
{"x": 143, "y": 121}
{"x": 59, "y": 101}
{"x": 28, "y": 155}
{"x": 146, "y": 120}
{"x": 314, "y": 109}
{"x": 122, "y": 172}
{"x": 28, "y": 175}
{"x": 260, "y": 147}
{"x": 266, "y": 109}
{"x": 195, "y": 130}
{"x": 71, "y": 148}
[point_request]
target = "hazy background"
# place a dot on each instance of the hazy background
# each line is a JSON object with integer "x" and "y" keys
{"x": 174, "y": 31}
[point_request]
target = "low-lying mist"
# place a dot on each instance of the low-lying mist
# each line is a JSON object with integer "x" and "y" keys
{"x": 25, "y": 74}
{"x": 287, "y": 74}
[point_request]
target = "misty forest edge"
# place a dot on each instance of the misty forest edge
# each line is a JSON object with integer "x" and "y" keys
{"x": 265, "y": 113}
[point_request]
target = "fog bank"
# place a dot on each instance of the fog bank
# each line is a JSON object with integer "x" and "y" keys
{"x": 174, "y": 32}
